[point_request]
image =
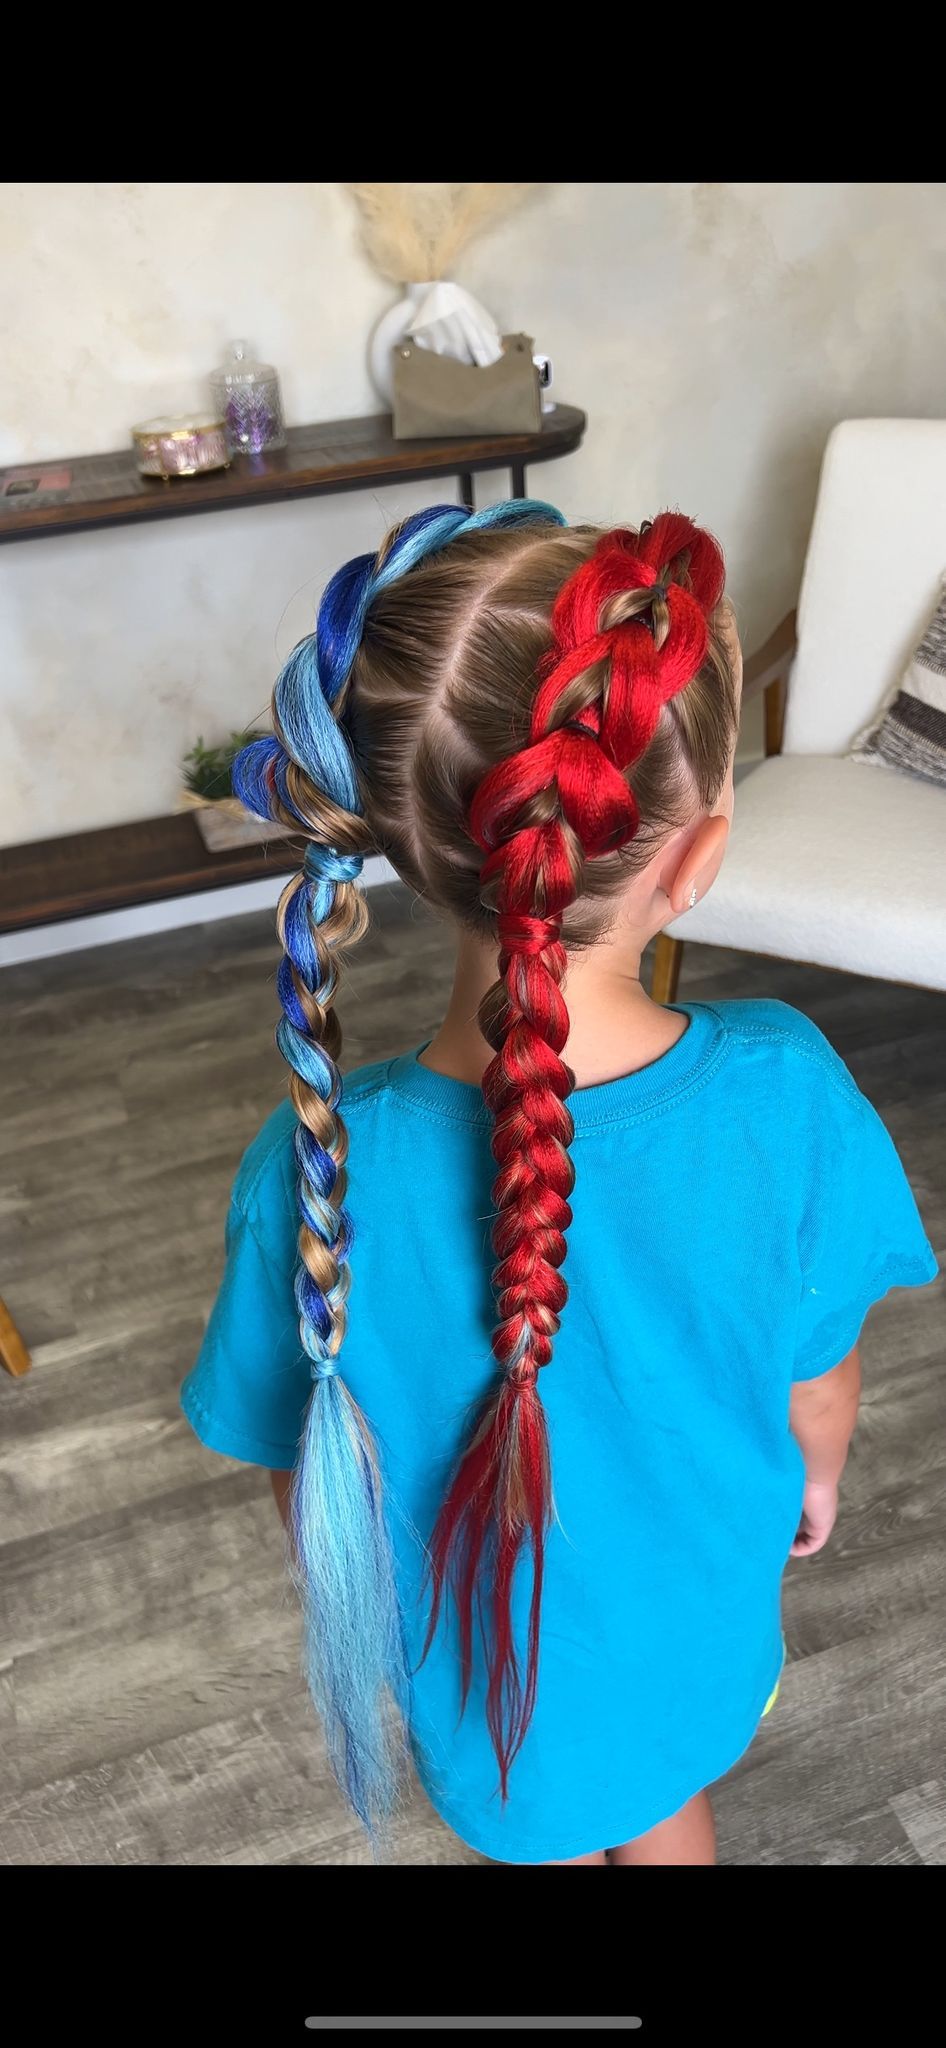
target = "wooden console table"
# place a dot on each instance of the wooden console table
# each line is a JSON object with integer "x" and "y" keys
{"x": 336, "y": 455}
{"x": 146, "y": 862}
{"x": 157, "y": 858}
{"x": 82, "y": 872}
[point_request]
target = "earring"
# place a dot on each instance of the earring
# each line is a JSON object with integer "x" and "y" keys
{"x": 692, "y": 897}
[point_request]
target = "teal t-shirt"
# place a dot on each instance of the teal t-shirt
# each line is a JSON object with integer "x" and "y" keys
{"x": 738, "y": 1206}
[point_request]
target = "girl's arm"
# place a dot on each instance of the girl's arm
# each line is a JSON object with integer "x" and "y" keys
{"x": 823, "y": 1413}
{"x": 281, "y": 1484}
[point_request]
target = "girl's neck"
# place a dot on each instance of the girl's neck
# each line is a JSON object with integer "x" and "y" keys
{"x": 615, "y": 1027}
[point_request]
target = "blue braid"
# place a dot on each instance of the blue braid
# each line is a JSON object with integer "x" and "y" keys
{"x": 353, "y": 1639}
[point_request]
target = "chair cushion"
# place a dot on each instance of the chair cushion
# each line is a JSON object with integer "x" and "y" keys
{"x": 834, "y": 863}
{"x": 875, "y": 558}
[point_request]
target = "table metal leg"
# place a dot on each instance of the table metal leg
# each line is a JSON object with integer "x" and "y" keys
{"x": 467, "y": 495}
{"x": 518, "y": 470}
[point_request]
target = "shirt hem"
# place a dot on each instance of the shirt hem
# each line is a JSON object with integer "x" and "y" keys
{"x": 501, "y": 1848}
{"x": 232, "y": 1443}
{"x": 896, "y": 1272}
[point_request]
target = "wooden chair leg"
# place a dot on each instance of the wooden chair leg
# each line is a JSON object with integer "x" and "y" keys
{"x": 14, "y": 1356}
{"x": 668, "y": 954}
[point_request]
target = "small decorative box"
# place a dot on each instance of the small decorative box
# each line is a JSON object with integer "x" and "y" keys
{"x": 167, "y": 447}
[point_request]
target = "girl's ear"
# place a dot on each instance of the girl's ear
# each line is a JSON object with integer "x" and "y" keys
{"x": 696, "y": 866}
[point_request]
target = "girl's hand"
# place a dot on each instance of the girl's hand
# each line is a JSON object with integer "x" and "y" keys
{"x": 818, "y": 1516}
{"x": 823, "y": 1413}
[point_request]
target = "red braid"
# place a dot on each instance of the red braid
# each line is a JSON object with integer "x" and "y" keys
{"x": 539, "y": 815}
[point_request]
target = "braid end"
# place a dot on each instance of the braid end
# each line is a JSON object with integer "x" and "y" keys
{"x": 499, "y": 1507}
{"x": 352, "y": 1635}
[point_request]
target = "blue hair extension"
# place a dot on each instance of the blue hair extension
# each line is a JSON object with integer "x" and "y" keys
{"x": 305, "y": 775}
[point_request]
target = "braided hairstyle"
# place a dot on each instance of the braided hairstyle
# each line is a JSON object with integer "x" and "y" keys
{"x": 305, "y": 776}
{"x": 515, "y": 713}
{"x": 624, "y": 643}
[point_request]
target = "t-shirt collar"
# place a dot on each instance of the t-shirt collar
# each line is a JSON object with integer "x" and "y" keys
{"x": 641, "y": 1094}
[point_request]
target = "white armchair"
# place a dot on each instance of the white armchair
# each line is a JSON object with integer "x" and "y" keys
{"x": 835, "y": 861}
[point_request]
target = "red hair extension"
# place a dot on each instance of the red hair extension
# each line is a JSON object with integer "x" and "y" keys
{"x": 538, "y": 815}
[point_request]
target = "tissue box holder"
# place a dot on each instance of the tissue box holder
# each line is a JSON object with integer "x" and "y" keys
{"x": 437, "y": 395}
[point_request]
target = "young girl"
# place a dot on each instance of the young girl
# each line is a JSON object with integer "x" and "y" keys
{"x": 565, "y": 1583}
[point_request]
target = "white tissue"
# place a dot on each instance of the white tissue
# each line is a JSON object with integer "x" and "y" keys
{"x": 450, "y": 322}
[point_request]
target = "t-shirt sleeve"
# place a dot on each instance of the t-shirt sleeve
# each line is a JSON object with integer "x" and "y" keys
{"x": 247, "y": 1392}
{"x": 869, "y": 1237}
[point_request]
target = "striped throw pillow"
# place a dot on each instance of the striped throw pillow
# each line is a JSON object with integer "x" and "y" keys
{"x": 912, "y": 732}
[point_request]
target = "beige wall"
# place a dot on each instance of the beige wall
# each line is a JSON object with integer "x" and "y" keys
{"x": 713, "y": 332}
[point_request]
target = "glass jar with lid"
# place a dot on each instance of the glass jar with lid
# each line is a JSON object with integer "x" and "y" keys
{"x": 247, "y": 396}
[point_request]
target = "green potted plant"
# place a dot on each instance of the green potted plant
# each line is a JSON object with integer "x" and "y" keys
{"x": 222, "y": 821}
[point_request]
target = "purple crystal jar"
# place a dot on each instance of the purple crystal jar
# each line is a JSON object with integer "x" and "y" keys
{"x": 247, "y": 397}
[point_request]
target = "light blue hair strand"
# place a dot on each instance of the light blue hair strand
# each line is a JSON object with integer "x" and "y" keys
{"x": 305, "y": 776}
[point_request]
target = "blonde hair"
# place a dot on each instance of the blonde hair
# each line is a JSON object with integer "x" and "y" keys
{"x": 442, "y": 688}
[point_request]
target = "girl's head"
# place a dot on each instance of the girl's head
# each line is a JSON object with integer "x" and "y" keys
{"x": 536, "y": 724}
{"x": 444, "y": 685}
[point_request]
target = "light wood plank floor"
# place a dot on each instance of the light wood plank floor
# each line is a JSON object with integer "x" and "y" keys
{"x": 150, "y": 1707}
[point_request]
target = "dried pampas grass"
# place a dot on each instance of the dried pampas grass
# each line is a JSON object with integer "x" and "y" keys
{"x": 414, "y": 233}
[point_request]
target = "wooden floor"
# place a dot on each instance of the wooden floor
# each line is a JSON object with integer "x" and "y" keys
{"x": 150, "y": 1708}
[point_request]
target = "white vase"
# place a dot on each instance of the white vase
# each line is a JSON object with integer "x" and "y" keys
{"x": 390, "y": 328}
